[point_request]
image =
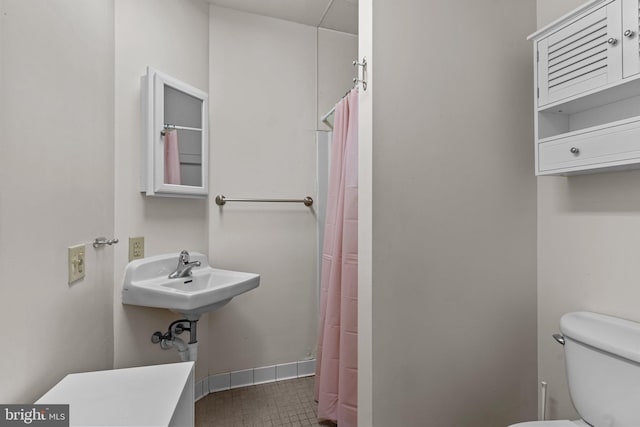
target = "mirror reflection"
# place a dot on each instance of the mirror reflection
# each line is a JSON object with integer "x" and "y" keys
{"x": 182, "y": 138}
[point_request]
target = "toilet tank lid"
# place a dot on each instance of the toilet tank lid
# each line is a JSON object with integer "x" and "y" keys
{"x": 611, "y": 334}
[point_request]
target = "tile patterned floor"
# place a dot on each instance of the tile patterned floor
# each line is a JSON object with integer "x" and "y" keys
{"x": 283, "y": 403}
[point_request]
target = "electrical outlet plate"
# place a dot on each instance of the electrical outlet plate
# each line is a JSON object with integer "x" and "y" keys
{"x": 136, "y": 248}
{"x": 76, "y": 263}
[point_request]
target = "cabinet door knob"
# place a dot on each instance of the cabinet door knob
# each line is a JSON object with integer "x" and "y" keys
{"x": 575, "y": 150}
{"x": 629, "y": 33}
{"x": 612, "y": 41}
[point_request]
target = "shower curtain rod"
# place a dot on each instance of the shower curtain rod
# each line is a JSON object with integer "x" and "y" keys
{"x": 325, "y": 118}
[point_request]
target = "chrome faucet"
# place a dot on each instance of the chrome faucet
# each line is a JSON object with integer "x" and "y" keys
{"x": 184, "y": 266}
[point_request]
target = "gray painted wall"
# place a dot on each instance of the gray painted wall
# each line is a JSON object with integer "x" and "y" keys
{"x": 172, "y": 37}
{"x": 454, "y": 214}
{"x": 56, "y": 190}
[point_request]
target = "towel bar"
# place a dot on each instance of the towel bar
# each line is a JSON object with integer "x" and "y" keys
{"x": 222, "y": 200}
{"x": 167, "y": 127}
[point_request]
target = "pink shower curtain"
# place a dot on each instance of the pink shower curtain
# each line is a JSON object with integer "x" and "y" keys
{"x": 337, "y": 355}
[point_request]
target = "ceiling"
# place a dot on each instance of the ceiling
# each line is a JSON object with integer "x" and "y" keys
{"x": 339, "y": 15}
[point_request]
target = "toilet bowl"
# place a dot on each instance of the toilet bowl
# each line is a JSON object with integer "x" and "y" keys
{"x": 602, "y": 358}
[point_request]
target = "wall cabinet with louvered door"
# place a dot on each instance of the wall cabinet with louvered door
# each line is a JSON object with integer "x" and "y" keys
{"x": 587, "y": 89}
{"x": 581, "y": 56}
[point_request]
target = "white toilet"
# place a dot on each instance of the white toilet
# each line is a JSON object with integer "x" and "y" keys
{"x": 602, "y": 355}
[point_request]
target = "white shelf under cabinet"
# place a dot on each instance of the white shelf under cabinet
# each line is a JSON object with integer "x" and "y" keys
{"x": 588, "y": 90}
{"x": 609, "y": 94}
{"x": 612, "y": 146}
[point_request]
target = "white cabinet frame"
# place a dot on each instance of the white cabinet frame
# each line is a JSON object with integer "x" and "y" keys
{"x": 153, "y": 111}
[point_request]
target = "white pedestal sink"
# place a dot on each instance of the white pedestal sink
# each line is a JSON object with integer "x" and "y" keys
{"x": 147, "y": 283}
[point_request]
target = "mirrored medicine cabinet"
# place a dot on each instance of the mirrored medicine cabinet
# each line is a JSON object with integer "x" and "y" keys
{"x": 175, "y": 137}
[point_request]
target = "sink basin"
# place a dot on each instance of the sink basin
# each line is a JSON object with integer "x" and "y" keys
{"x": 147, "y": 283}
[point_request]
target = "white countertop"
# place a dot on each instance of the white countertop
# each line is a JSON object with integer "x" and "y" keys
{"x": 145, "y": 396}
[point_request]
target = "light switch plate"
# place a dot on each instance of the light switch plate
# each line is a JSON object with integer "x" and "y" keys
{"x": 136, "y": 248}
{"x": 76, "y": 263}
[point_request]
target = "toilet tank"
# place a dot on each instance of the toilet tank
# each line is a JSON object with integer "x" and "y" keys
{"x": 602, "y": 355}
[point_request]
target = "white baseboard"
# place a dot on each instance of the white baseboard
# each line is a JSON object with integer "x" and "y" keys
{"x": 254, "y": 376}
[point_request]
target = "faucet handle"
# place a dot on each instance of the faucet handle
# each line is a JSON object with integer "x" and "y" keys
{"x": 184, "y": 257}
